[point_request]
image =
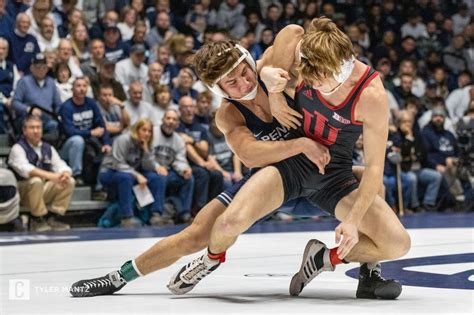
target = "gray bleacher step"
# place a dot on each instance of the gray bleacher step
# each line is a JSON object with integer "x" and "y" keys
{"x": 4, "y": 151}
{"x": 4, "y": 140}
{"x": 81, "y": 194}
{"x": 88, "y": 205}
{"x": 80, "y": 206}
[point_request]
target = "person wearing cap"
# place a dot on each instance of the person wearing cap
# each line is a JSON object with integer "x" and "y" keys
{"x": 442, "y": 150}
{"x": 23, "y": 46}
{"x": 38, "y": 89}
{"x": 115, "y": 48}
{"x": 132, "y": 68}
{"x": 426, "y": 117}
{"x": 139, "y": 35}
{"x": 106, "y": 74}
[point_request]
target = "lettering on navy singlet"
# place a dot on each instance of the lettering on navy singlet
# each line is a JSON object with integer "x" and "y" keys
{"x": 263, "y": 131}
{"x": 333, "y": 126}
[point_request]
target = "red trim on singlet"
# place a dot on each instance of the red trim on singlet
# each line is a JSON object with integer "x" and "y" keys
{"x": 372, "y": 76}
{"x": 334, "y": 107}
{"x": 300, "y": 86}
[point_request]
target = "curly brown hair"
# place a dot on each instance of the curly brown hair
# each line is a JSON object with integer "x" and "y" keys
{"x": 214, "y": 59}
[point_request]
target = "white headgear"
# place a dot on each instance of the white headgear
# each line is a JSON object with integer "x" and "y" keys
{"x": 347, "y": 66}
{"x": 344, "y": 72}
{"x": 346, "y": 69}
{"x": 245, "y": 55}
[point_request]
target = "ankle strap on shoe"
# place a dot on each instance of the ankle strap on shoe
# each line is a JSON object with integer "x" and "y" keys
{"x": 220, "y": 257}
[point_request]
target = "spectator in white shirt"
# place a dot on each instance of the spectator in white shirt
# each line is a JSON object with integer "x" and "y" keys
{"x": 155, "y": 70}
{"x": 65, "y": 55}
{"x": 128, "y": 18}
{"x": 46, "y": 39}
{"x": 43, "y": 178}
{"x": 133, "y": 68}
{"x": 414, "y": 27}
{"x": 136, "y": 107}
{"x": 458, "y": 101}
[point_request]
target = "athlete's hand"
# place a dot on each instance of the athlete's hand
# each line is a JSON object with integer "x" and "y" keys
{"x": 286, "y": 116}
{"x": 275, "y": 79}
{"x": 316, "y": 153}
{"x": 350, "y": 237}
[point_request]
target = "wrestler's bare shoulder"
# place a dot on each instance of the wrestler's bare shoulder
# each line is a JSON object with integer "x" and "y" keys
{"x": 228, "y": 116}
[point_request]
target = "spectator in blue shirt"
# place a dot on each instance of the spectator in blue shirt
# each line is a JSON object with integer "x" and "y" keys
{"x": 442, "y": 152}
{"x": 38, "y": 89}
{"x": 86, "y": 133}
{"x": 6, "y": 21}
{"x": 8, "y": 75}
{"x": 23, "y": 46}
{"x": 208, "y": 181}
{"x": 14, "y": 7}
{"x": 185, "y": 86}
{"x": 115, "y": 48}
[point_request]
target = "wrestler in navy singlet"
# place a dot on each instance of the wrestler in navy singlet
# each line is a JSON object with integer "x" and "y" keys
{"x": 262, "y": 131}
{"x": 335, "y": 127}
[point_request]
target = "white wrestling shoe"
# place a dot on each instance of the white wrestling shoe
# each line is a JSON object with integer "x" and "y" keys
{"x": 189, "y": 276}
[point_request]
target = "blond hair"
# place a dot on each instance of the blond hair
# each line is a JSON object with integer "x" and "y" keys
{"x": 324, "y": 48}
{"x": 214, "y": 59}
{"x": 139, "y": 124}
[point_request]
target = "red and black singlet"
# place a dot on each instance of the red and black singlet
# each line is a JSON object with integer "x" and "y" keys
{"x": 334, "y": 126}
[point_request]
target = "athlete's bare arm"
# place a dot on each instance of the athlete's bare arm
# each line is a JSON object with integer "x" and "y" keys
{"x": 372, "y": 110}
{"x": 254, "y": 153}
{"x": 279, "y": 74}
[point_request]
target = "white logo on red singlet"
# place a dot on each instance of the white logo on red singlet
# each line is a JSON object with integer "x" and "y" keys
{"x": 341, "y": 119}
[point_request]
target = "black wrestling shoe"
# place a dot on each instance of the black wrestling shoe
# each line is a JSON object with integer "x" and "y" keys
{"x": 106, "y": 285}
{"x": 373, "y": 286}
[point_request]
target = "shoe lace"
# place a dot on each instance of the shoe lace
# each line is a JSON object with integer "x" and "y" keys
{"x": 103, "y": 282}
{"x": 98, "y": 283}
{"x": 375, "y": 274}
{"x": 198, "y": 270}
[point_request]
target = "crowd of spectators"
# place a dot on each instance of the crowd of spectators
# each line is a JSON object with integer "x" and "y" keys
{"x": 114, "y": 71}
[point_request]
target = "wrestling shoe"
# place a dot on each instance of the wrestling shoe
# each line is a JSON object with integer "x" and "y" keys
{"x": 189, "y": 276}
{"x": 106, "y": 285}
{"x": 373, "y": 286}
{"x": 315, "y": 260}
